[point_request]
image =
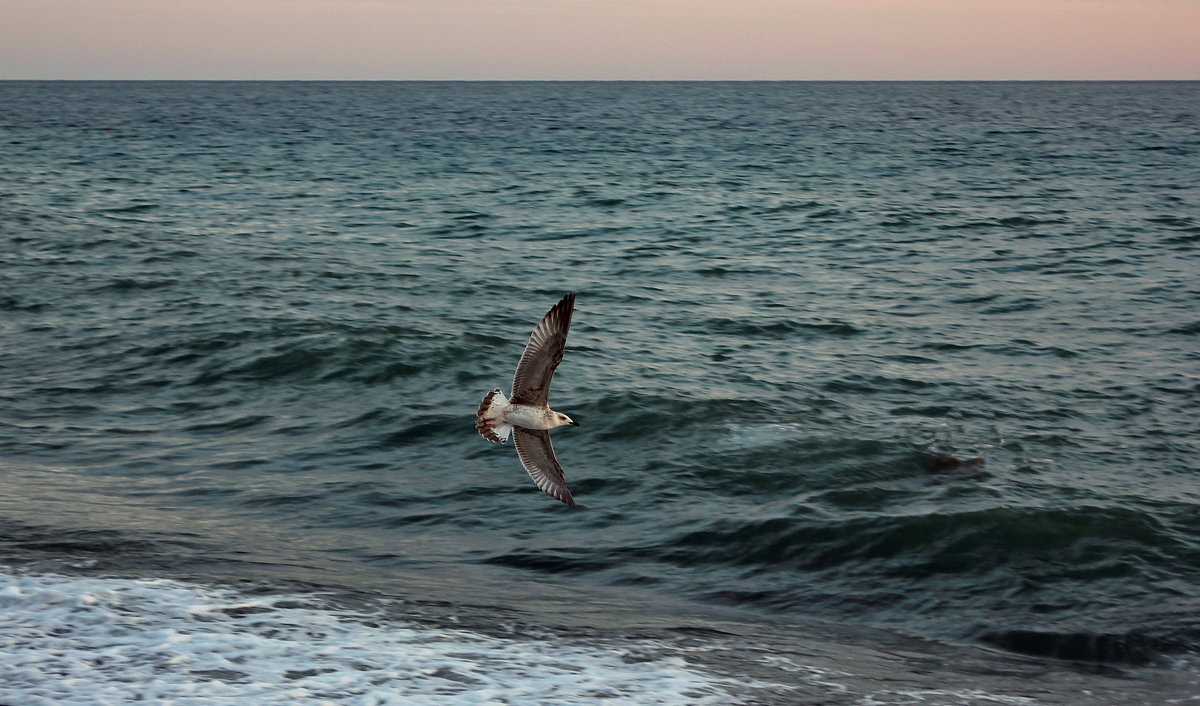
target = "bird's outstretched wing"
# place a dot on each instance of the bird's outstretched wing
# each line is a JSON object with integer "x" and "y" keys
{"x": 537, "y": 456}
{"x": 543, "y": 353}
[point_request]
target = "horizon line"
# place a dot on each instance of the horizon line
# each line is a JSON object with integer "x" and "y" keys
{"x": 609, "y": 80}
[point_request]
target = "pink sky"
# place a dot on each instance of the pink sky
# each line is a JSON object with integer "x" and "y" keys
{"x": 600, "y": 39}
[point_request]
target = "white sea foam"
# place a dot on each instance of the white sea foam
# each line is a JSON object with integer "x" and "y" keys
{"x": 71, "y": 640}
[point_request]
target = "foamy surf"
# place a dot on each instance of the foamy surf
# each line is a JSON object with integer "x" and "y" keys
{"x": 71, "y": 640}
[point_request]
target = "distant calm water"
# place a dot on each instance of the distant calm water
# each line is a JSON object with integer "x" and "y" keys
{"x": 244, "y": 328}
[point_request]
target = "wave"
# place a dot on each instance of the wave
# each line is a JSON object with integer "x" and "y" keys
{"x": 318, "y": 354}
{"x": 759, "y": 328}
{"x": 865, "y": 544}
{"x": 158, "y": 640}
{"x": 1139, "y": 647}
{"x": 926, "y": 543}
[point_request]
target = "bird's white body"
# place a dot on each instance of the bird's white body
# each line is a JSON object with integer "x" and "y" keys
{"x": 498, "y": 416}
{"x": 530, "y": 417}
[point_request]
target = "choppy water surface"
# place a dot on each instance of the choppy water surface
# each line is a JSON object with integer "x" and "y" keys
{"x": 244, "y": 327}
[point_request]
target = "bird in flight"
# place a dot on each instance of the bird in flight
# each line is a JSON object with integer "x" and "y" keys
{"x": 527, "y": 415}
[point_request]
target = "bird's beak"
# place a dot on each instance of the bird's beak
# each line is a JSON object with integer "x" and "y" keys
{"x": 574, "y": 423}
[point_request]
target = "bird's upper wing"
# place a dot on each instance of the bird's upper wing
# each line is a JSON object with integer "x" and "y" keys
{"x": 537, "y": 456}
{"x": 543, "y": 353}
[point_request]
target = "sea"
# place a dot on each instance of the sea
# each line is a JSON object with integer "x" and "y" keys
{"x": 888, "y": 393}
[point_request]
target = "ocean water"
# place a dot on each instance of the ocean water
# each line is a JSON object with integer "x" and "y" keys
{"x": 244, "y": 328}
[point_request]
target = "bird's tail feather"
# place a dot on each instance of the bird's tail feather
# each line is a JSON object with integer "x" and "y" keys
{"x": 488, "y": 418}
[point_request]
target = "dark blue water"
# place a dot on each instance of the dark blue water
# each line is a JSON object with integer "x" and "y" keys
{"x": 244, "y": 328}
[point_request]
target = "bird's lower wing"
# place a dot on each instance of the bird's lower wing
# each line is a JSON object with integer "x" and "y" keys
{"x": 537, "y": 456}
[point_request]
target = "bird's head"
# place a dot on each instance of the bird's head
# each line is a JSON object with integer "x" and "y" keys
{"x": 563, "y": 419}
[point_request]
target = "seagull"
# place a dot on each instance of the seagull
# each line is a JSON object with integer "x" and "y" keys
{"x": 527, "y": 415}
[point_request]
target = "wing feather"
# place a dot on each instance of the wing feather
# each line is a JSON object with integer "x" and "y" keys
{"x": 537, "y": 456}
{"x": 543, "y": 353}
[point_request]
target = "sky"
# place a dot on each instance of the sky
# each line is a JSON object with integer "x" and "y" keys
{"x": 600, "y": 39}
